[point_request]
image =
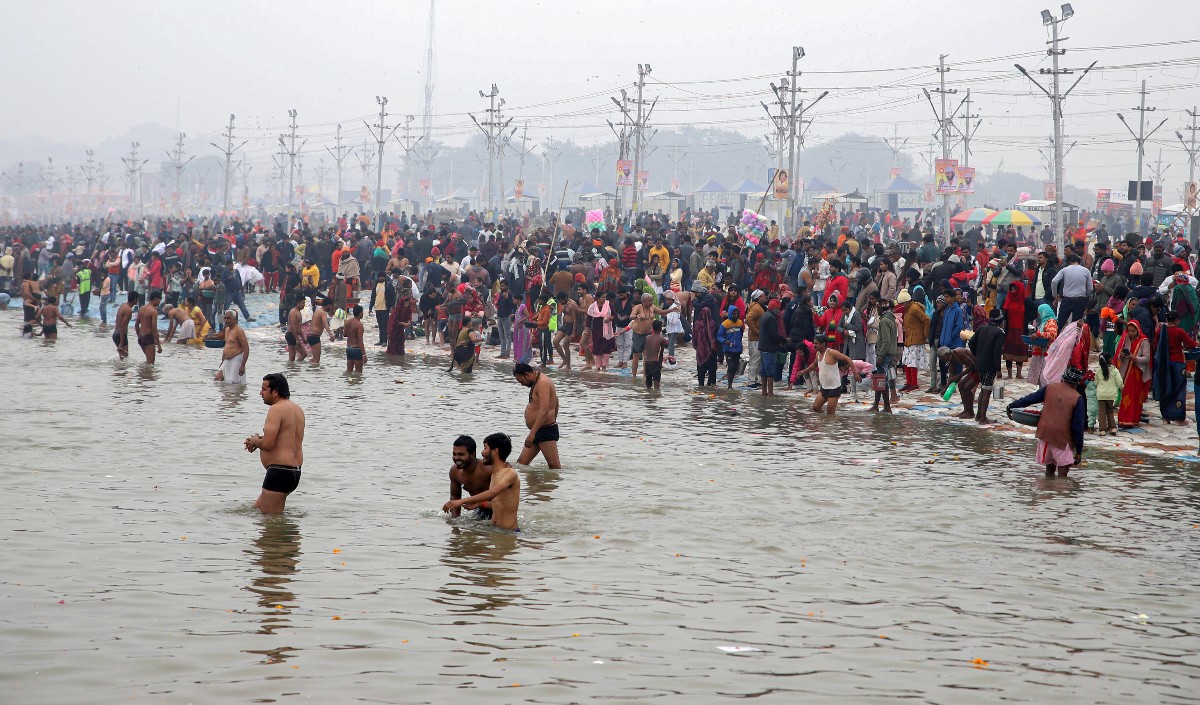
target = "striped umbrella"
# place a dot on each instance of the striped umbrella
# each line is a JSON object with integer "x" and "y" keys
{"x": 974, "y": 215}
{"x": 1012, "y": 217}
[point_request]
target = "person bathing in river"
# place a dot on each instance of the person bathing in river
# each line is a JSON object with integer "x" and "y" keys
{"x": 470, "y": 474}
{"x": 281, "y": 444}
{"x": 504, "y": 487}
{"x": 1061, "y": 424}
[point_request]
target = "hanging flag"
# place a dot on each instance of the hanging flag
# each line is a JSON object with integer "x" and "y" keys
{"x": 947, "y": 175}
{"x": 966, "y": 179}
{"x": 624, "y": 172}
{"x": 781, "y": 184}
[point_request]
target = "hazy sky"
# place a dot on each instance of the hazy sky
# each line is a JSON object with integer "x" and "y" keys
{"x": 88, "y": 71}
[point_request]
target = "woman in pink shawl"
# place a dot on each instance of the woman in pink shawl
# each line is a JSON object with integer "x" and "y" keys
{"x": 704, "y": 341}
{"x": 599, "y": 320}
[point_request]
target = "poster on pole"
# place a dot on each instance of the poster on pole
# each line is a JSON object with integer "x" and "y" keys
{"x": 1050, "y": 192}
{"x": 1156, "y": 204}
{"x": 895, "y": 172}
{"x": 781, "y": 184}
{"x": 519, "y": 189}
{"x": 364, "y": 195}
{"x": 1190, "y": 195}
{"x": 947, "y": 175}
{"x": 1103, "y": 196}
{"x": 424, "y": 188}
{"x": 624, "y": 172}
{"x": 966, "y": 179}
{"x": 541, "y": 189}
{"x": 675, "y": 185}
{"x": 643, "y": 180}
{"x": 929, "y": 193}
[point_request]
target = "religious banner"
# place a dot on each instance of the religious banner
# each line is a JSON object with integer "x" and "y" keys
{"x": 675, "y": 185}
{"x": 1050, "y": 191}
{"x": 966, "y": 179}
{"x": 895, "y": 172}
{"x": 624, "y": 172}
{"x": 781, "y": 184}
{"x": 424, "y": 188}
{"x": 643, "y": 180}
{"x": 1190, "y": 199}
{"x": 364, "y": 195}
{"x": 519, "y": 189}
{"x": 947, "y": 175}
{"x": 929, "y": 191}
{"x": 541, "y": 189}
{"x": 1156, "y": 204}
{"x": 1103, "y": 196}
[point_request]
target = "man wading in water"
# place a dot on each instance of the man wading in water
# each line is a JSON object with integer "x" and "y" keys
{"x": 541, "y": 416}
{"x": 504, "y": 490}
{"x": 235, "y": 353}
{"x": 281, "y": 444}
{"x": 468, "y": 473}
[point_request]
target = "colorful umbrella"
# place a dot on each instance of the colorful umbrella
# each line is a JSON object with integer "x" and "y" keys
{"x": 1012, "y": 217}
{"x": 974, "y": 215}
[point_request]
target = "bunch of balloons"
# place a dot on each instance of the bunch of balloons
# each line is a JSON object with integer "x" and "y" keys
{"x": 1024, "y": 197}
{"x": 752, "y": 226}
{"x": 594, "y": 220}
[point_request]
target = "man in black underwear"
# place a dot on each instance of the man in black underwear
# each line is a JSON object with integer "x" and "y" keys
{"x": 120, "y": 336}
{"x": 292, "y": 336}
{"x": 281, "y": 443}
{"x": 147, "y": 327}
{"x": 541, "y": 416}
{"x": 470, "y": 474}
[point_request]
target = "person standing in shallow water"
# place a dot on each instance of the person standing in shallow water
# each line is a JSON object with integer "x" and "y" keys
{"x": 280, "y": 445}
{"x": 541, "y": 416}
{"x": 504, "y": 488}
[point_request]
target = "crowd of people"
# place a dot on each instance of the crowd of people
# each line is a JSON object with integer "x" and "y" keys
{"x": 864, "y": 295}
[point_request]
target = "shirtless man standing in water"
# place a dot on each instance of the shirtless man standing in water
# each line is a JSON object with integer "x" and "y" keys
{"x": 147, "y": 327}
{"x": 281, "y": 443}
{"x": 236, "y": 352}
{"x": 120, "y": 336}
{"x": 318, "y": 328}
{"x": 354, "y": 340}
{"x": 504, "y": 490}
{"x": 295, "y": 321}
{"x": 541, "y": 416}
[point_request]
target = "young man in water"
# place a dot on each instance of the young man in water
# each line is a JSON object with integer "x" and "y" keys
{"x": 354, "y": 340}
{"x": 656, "y": 343}
{"x": 147, "y": 327}
{"x": 504, "y": 490}
{"x": 120, "y": 336}
{"x": 50, "y": 316}
{"x": 541, "y": 416}
{"x": 319, "y": 326}
{"x": 468, "y": 473}
{"x": 291, "y": 337}
{"x": 281, "y": 444}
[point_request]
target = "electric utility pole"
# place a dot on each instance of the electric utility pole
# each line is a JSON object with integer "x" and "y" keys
{"x": 1140, "y": 138}
{"x": 1189, "y": 207}
{"x": 944, "y": 124}
{"x": 288, "y": 144}
{"x": 895, "y": 145}
{"x": 493, "y": 127}
{"x": 622, "y": 144}
{"x": 797, "y": 126}
{"x": 1056, "y": 97}
{"x": 178, "y": 163}
{"x": 408, "y": 145}
{"x": 89, "y": 170}
{"x": 643, "y": 118}
{"x": 228, "y": 151}
{"x": 338, "y": 157}
{"x": 133, "y": 168}
{"x": 382, "y": 135}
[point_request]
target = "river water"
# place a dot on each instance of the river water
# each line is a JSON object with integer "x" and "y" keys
{"x": 868, "y": 559}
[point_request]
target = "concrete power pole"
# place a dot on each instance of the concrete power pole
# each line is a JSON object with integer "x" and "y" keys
{"x": 1056, "y": 97}
{"x": 382, "y": 135}
{"x": 639, "y": 129}
{"x": 967, "y": 132}
{"x": 622, "y": 144}
{"x": 89, "y": 170}
{"x": 895, "y": 145}
{"x": 944, "y": 124}
{"x": 796, "y": 130}
{"x": 1140, "y": 138}
{"x": 228, "y": 151}
{"x": 338, "y": 157}
{"x": 177, "y": 163}
{"x": 1189, "y": 209}
{"x": 133, "y": 168}
{"x": 408, "y": 144}
{"x": 493, "y": 127}
{"x": 288, "y": 144}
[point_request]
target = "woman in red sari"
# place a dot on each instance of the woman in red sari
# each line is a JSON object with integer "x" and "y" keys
{"x": 1015, "y": 349}
{"x": 1133, "y": 355}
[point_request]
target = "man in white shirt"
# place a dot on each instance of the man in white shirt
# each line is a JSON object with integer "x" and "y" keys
{"x": 1072, "y": 287}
